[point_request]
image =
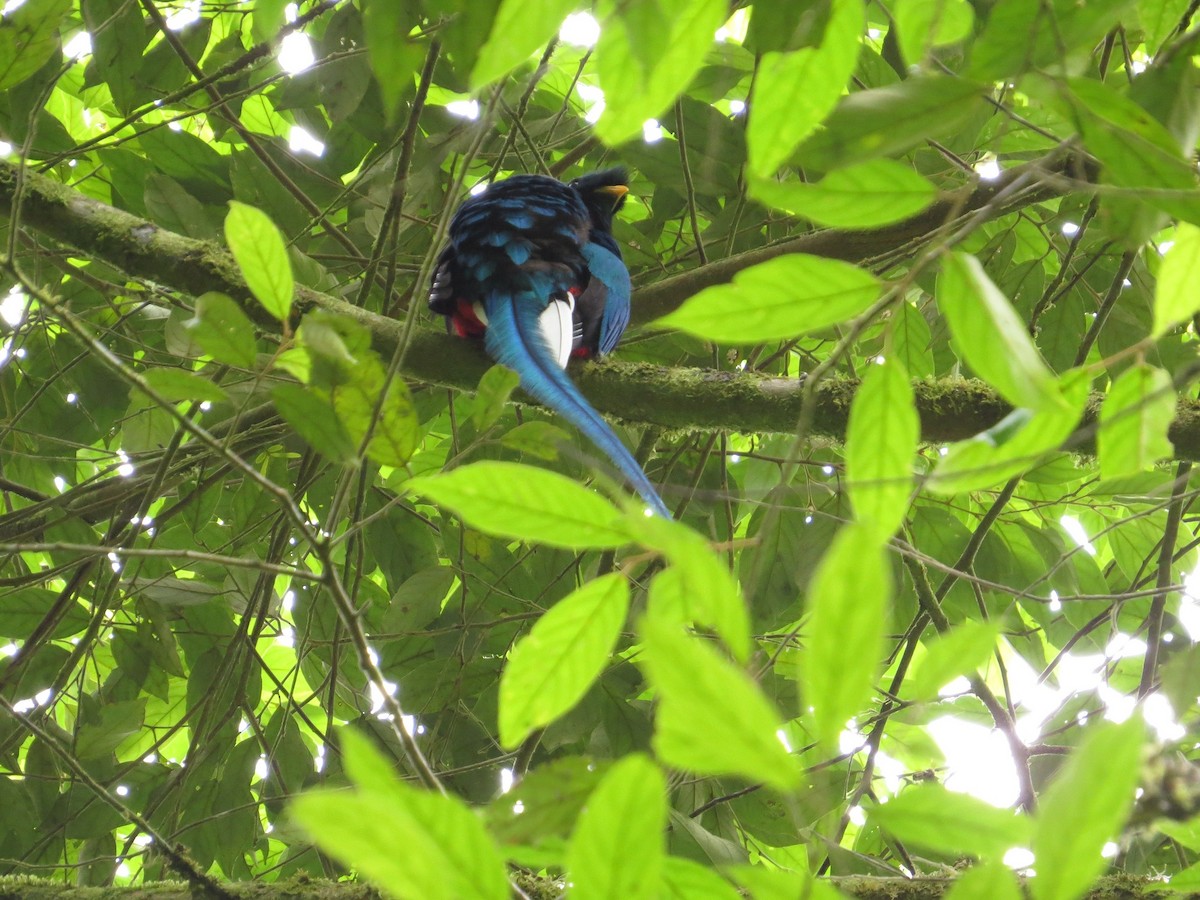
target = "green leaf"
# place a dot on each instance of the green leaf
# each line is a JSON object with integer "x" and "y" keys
{"x": 925, "y": 24}
{"x": 1085, "y": 807}
{"x": 686, "y": 879}
{"x": 869, "y": 195}
{"x": 552, "y": 667}
{"x": 28, "y": 37}
{"x": 259, "y": 249}
{"x": 960, "y": 651}
{"x": 1040, "y": 34}
{"x": 179, "y": 384}
{"x": 392, "y": 421}
{"x": 881, "y": 441}
{"x": 516, "y": 501}
{"x": 24, "y": 609}
{"x": 712, "y": 718}
{"x": 222, "y": 330}
{"x": 990, "y": 881}
{"x": 395, "y": 55}
{"x": 889, "y": 120}
{"x": 794, "y": 91}
{"x": 777, "y": 299}
{"x": 947, "y": 822}
{"x": 698, "y": 587}
{"x": 1135, "y": 150}
{"x": 447, "y": 852}
{"x": 1137, "y": 412}
{"x": 990, "y": 336}
{"x": 619, "y": 846}
{"x": 118, "y": 722}
{"x": 495, "y": 387}
{"x": 843, "y": 643}
{"x": 539, "y": 439}
{"x": 1020, "y": 442}
{"x": 640, "y": 83}
{"x": 314, "y": 420}
{"x": 1175, "y": 296}
{"x": 520, "y": 29}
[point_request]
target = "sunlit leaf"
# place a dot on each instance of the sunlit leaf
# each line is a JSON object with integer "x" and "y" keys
{"x": 881, "y": 441}
{"x": 843, "y": 643}
{"x": 520, "y": 29}
{"x": 795, "y": 90}
{"x": 930, "y": 816}
{"x": 551, "y": 668}
{"x": 1175, "y": 295}
{"x": 518, "y": 501}
{"x": 780, "y": 298}
{"x": 447, "y": 853}
{"x": 990, "y": 881}
{"x": 1137, "y": 412}
{"x": 640, "y": 72}
{"x": 1018, "y": 443}
{"x": 371, "y": 403}
{"x": 258, "y": 247}
{"x": 712, "y": 718}
{"x": 1085, "y": 807}
{"x": 991, "y": 337}
{"x": 871, "y": 194}
{"x": 960, "y": 651}
{"x": 698, "y": 587}
{"x": 925, "y": 24}
{"x": 619, "y": 846}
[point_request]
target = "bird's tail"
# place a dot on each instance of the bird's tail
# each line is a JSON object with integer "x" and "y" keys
{"x": 514, "y": 338}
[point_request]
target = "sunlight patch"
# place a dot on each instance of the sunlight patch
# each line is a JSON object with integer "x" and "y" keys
{"x": 580, "y": 29}
{"x": 295, "y": 53}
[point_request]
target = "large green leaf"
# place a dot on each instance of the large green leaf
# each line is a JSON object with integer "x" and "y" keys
{"x": 520, "y": 28}
{"x": 1085, "y": 807}
{"x": 412, "y": 843}
{"x": 1134, "y": 420}
{"x": 930, "y": 816}
{"x": 28, "y": 36}
{"x": 258, "y": 247}
{"x": 881, "y": 441}
{"x": 518, "y": 501}
{"x": 991, "y": 337}
{"x": 619, "y": 846}
{"x": 843, "y": 643}
{"x": 871, "y": 194}
{"x": 1175, "y": 295}
{"x": 890, "y": 120}
{"x": 780, "y": 298}
{"x": 550, "y": 669}
{"x": 647, "y": 55}
{"x": 795, "y": 90}
{"x": 712, "y": 718}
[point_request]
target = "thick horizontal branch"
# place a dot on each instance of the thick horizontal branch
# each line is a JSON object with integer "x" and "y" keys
{"x": 674, "y": 398}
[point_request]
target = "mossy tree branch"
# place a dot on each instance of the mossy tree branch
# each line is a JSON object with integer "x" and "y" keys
{"x": 676, "y": 398}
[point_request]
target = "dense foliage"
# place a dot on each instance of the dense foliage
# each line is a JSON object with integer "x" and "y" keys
{"x": 270, "y": 576}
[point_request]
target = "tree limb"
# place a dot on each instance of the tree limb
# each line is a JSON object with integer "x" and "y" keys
{"x": 684, "y": 398}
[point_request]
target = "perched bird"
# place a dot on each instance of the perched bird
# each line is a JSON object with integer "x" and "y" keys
{"x": 533, "y": 269}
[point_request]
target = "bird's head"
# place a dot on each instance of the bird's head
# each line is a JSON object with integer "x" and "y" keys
{"x": 603, "y": 193}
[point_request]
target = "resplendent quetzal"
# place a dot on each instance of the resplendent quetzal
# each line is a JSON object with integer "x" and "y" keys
{"x": 532, "y": 268}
